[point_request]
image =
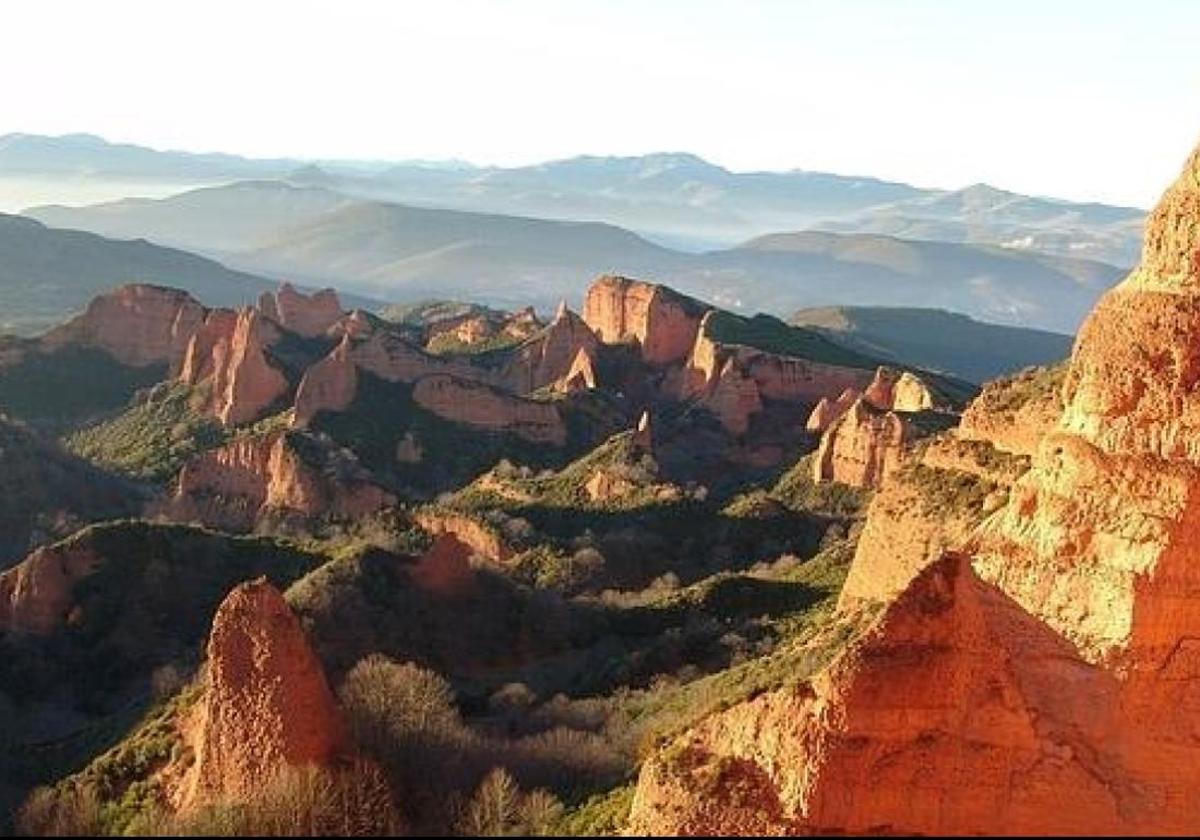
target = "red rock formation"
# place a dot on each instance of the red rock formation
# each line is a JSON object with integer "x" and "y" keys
{"x": 483, "y": 407}
{"x": 861, "y": 447}
{"x": 827, "y": 411}
{"x": 550, "y": 355}
{"x": 881, "y": 391}
{"x": 1097, "y": 539}
{"x": 255, "y": 478}
{"x": 662, "y": 322}
{"x": 329, "y": 385}
{"x": 266, "y": 704}
{"x": 733, "y": 398}
{"x": 35, "y": 595}
{"x": 1014, "y": 414}
{"x": 479, "y": 537}
{"x": 306, "y": 315}
{"x": 1054, "y": 687}
{"x": 136, "y": 324}
{"x": 948, "y": 717}
{"x": 745, "y": 376}
{"x": 227, "y": 354}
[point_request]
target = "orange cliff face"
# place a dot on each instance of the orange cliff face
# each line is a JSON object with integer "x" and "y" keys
{"x": 272, "y": 476}
{"x": 266, "y": 703}
{"x": 136, "y": 324}
{"x": 1050, "y": 682}
{"x": 551, "y": 355}
{"x": 229, "y": 355}
{"x": 662, "y": 322}
{"x": 947, "y": 717}
{"x": 861, "y": 447}
{"x": 1098, "y": 537}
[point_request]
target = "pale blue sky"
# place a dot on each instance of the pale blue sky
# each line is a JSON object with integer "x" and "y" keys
{"x": 1079, "y": 99}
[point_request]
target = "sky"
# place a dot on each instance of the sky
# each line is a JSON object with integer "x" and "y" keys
{"x": 1092, "y": 100}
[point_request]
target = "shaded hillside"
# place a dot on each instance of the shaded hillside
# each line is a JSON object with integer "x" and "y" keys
{"x": 46, "y": 274}
{"x": 937, "y": 340}
{"x": 46, "y": 493}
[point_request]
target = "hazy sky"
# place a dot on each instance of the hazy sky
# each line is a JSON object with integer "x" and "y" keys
{"x": 1088, "y": 99}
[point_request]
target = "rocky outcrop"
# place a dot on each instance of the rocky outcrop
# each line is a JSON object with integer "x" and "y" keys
{"x": 481, "y": 539}
{"x": 36, "y": 594}
{"x": 946, "y": 717}
{"x": 282, "y": 475}
{"x": 551, "y": 355}
{"x": 1049, "y": 684}
{"x": 137, "y": 324}
{"x": 663, "y": 323}
{"x": 733, "y": 398}
{"x": 862, "y": 447}
{"x": 329, "y": 385}
{"x": 827, "y": 411}
{"x": 227, "y": 356}
{"x": 483, "y": 407}
{"x": 1098, "y": 538}
{"x": 910, "y": 393}
{"x": 266, "y": 703}
{"x": 1014, "y": 414}
{"x": 306, "y": 315}
{"x": 733, "y": 380}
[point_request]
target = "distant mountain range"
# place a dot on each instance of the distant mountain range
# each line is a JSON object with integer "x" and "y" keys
{"x": 675, "y": 199}
{"x": 317, "y": 236}
{"x": 936, "y": 339}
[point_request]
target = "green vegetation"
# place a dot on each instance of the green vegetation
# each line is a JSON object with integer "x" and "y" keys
{"x": 1032, "y": 385}
{"x": 771, "y": 335}
{"x": 153, "y": 438}
{"x": 384, "y": 413}
{"x": 798, "y": 490}
{"x": 945, "y": 492}
{"x": 449, "y": 344}
{"x": 62, "y": 388}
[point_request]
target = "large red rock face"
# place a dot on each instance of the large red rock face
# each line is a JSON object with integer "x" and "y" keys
{"x": 136, "y": 324}
{"x": 663, "y": 323}
{"x": 329, "y": 385}
{"x": 957, "y": 713}
{"x": 266, "y": 704}
{"x": 1097, "y": 539}
{"x": 1050, "y": 684}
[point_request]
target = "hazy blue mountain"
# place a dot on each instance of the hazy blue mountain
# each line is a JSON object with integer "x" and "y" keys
{"x": 981, "y": 214}
{"x": 47, "y": 274}
{"x": 936, "y": 339}
{"x": 675, "y": 199}
{"x": 317, "y": 236}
